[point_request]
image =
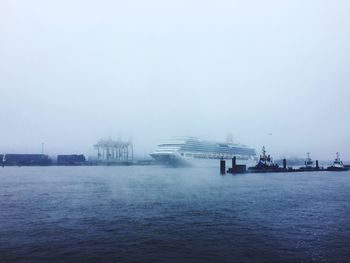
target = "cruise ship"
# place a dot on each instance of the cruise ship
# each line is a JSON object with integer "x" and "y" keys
{"x": 192, "y": 151}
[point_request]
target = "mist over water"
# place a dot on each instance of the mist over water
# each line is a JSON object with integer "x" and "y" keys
{"x": 156, "y": 214}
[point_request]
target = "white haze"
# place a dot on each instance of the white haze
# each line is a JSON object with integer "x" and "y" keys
{"x": 274, "y": 73}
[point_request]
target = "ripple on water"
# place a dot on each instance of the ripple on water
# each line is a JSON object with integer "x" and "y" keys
{"x": 179, "y": 215}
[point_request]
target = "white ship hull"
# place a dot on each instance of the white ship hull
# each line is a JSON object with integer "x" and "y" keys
{"x": 176, "y": 160}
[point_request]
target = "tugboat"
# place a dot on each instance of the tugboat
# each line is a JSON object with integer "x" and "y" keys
{"x": 265, "y": 164}
{"x": 308, "y": 165}
{"x": 337, "y": 165}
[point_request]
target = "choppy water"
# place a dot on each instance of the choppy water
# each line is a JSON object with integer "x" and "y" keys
{"x": 152, "y": 214}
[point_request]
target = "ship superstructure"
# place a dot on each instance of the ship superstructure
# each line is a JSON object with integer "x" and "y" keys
{"x": 309, "y": 164}
{"x": 179, "y": 151}
{"x": 337, "y": 164}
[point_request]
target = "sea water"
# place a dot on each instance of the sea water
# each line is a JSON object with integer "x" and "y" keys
{"x": 159, "y": 214}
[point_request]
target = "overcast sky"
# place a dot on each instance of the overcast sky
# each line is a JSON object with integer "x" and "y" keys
{"x": 274, "y": 73}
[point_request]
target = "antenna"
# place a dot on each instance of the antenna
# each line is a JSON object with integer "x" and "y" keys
{"x": 42, "y": 148}
{"x": 229, "y": 138}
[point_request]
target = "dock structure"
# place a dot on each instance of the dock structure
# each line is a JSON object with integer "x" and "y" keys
{"x": 114, "y": 151}
{"x": 241, "y": 169}
{"x": 25, "y": 160}
{"x": 266, "y": 165}
{"x": 71, "y": 159}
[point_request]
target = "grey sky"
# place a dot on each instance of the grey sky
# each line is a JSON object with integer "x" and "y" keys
{"x": 72, "y": 72}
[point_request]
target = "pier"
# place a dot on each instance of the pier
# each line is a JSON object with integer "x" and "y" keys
{"x": 266, "y": 165}
{"x": 242, "y": 169}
